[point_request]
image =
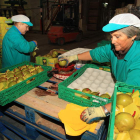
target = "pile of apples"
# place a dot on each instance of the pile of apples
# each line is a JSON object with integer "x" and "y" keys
{"x": 127, "y": 116}
{"x": 53, "y": 55}
{"x": 19, "y": 74}
{"x": 87, "y": 90}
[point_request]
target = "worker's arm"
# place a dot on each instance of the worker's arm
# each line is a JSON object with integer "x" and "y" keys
{"x": 92, "y": 114}
{"x": 83, "y": 56}
{"x": 100, "y": 54}
{"x": 21, "y": 44}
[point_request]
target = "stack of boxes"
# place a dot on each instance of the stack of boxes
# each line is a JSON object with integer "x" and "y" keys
{"x": 4, "y": 27}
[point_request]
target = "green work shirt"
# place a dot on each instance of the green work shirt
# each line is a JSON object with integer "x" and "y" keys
{"x": 125, "y": 70}
{"x": 15, "y": 48}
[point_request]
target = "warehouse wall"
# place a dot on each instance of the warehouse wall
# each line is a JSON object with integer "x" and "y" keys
{"x": 84, "y": 15}
{"x": 138, "y": 3}
{"x": 32, "y": 10}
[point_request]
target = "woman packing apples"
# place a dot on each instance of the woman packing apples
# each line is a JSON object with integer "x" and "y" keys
{"x": 15, "y": 48}
{"x": 124, "y": 54}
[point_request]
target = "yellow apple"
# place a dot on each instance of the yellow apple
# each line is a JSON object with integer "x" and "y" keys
{"x": 62, "y": 63}
{"x": 124, "y": 121}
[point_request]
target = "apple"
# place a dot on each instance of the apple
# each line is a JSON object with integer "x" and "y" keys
{"x": 124, "y": 121}
{"x": 3, "y": 85}
{"x": 77, "y": 94}
{"x": 62, "y": 63}
{"x": 124, "y": 100}
{"x": 11, "y": 79}
{"x": 37, "y": 67}
{"x": 134, "y": 134}
{"x": 19, "y": 75}
{"x": 27, "y": 76}
{"x": 20, "y": 79}
{"x": 2, "y": 75}
{"x": 48, "y": 55}
{"x": 87, "y": 90}
{"x": 40, "y": 70}
{"x": 25, "y": 72}
{"x": 34, "y": 72}
{"x": 95, "y": 93}
{"x": 16, "y": 69}
{"x": 85, "y": 97}
{"x": 30, "y": 67}
{"x": 2, "y": 79}
{"x": 10, "y": 75}
{"x": 22, "y": 67}
{"x": 12, "y": 84}
{"x": 129, "y": 93}
{"x": 105, "y": 96}
{"x": 54, "y": 54}
{"x": 18, "y": 72}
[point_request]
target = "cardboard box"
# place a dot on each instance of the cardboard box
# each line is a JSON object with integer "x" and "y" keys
{"x": 47, "y": 60}
{"x": 41, "y": 60}
{"x": 5, "y": 20}
{"x": 52, "y": 61}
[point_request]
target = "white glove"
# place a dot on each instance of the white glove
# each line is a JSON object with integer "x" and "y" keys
{"x": 92, "y": 114}
{"x": 68, "y": 58}
{"x": 36, "y": 48}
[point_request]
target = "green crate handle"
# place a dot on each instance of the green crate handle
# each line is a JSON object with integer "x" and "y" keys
{"x": 34, "y": 78}
{"x": 101, "y": 99}
{"x": 75, "y": 75}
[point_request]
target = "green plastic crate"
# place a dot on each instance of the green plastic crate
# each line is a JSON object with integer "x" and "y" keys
{"x": 12, "y": 93}
{"x": 119, "y": 87}
{"x": 68, "y": 94}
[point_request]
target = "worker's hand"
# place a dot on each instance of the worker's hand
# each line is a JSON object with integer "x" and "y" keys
{"x": 36, "y": 48}
{"x": 68, "y": 58}
{"x": 35, "y": 42}
{"x": 92, "y": 114}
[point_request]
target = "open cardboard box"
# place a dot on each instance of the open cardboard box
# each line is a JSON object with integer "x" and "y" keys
{"x": 45, "y": 60}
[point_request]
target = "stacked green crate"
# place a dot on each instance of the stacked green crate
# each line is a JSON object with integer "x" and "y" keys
{"x": 4, "y": 27}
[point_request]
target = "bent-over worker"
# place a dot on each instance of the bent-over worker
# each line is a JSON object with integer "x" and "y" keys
{"x": 15, "y": 48}
{"x": 124, "y": 54}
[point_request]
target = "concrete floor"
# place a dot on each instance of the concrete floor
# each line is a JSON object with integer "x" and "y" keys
{"x": 90, "y": 40}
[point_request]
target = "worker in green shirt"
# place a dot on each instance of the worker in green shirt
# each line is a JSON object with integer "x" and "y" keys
{"x": 124, "y": 54}
{"x": 15, "y": 48}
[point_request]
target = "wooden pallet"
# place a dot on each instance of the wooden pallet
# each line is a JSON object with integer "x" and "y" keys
{"x": 41, "y": 114}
